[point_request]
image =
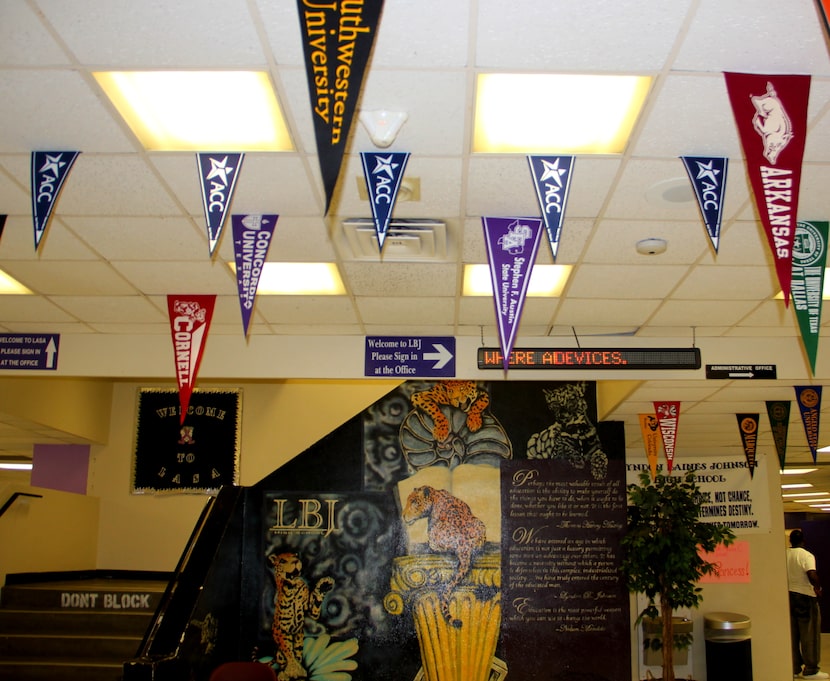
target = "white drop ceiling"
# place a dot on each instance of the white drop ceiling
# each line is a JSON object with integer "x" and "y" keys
{"x": 129, "y": 229}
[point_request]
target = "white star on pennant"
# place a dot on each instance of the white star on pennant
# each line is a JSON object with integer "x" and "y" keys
{"x": 220, "y": 169}
{"x": 705, "y": 170}
{"x": 553, "y": 171}
{"x": 53, "y": 165}
{"x": 385, "y": 165}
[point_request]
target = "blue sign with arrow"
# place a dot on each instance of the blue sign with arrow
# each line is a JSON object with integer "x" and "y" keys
{"x": 410, "y": 356}
{"x": 29, "y": 350}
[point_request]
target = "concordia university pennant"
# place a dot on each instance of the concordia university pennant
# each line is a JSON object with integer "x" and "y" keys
{"x": 383, "y": 174}
{"x": 252, "y": 237}
{"x": 190, "y": 318}
{"x": 668, "y": 414}
{"x": 552, "y": 182}
{"x": 49, "y": 171}
{"x": 708, "y": 177}
{"x": 217, "y": 176}
{"x": 512, "y": 244}
{"x": 771, "y": 115}
{"x": 337, "y": 41}
{"x": 809, "y": 258}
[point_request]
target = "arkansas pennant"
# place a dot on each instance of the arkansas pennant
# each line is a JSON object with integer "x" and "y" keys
{"x": 190, "y": 318}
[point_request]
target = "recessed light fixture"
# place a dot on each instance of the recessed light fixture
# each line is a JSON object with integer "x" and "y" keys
{"x": 556, "y": 113}
{"x": 199, "y": 110}
{"x": 299, "y": 279}
{"x": 546, "y": 281}
{"x": 798, "y": 471}
{"x": 796, "y": 495}
{"x": 10, "y": 286}
{"x": 796, "y": 485}
{"x": 15, "y": 466}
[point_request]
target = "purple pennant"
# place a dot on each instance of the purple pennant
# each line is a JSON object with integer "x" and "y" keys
{"x": 252, "y": 236}
{"x": 217, "y": 176}
{"x": 383, "y": 174}
{"x": 552, "y": 181}
{"x": 708, "y": 176}
{"x": 49, "y": 171}
{"x": 512, "y": 244}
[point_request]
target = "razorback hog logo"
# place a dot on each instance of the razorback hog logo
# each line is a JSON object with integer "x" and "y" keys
{"x": 772, "y": 123}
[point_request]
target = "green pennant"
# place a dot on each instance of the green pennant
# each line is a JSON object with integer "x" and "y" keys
{"x": 779, "y": 421}
{"x": 809, "y": 257}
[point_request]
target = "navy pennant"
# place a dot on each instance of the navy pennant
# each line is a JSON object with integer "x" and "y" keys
{"x": 337, "y": 41}
{"x": 808, "y": 398}
{"x": 552, "y": 181}
{"x": 708, "y": 176}
{"x": 383, "y": 174}
{"x": 49, "y": 171}
{"x": 2, "y": 224}
{"x": 217, "y": 176}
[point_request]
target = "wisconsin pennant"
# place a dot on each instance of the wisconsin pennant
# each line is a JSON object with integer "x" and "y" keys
{"x": 512, "y": 244}
{"x": 809, "y": 258}
{"x": 552, "y": 182}
{"x": 217, "y": 176}
{"x": 252, "y": 237}
{"x": 779, "y": 421}
{"x": 668, "y": 414}
{"x": 708, "y": 176}
{"x": 337, "y": 42}
{"x": 809, "y": 404}
{"x": 49, "y": 171}
{"x": 748, "y": 427}
{"x": 383, "y": 174}
{"x": 771, "y": 115}
{"x": 190, "y": 318}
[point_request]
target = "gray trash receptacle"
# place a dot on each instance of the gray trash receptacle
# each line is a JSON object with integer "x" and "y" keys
{"x": 728, "y": 646}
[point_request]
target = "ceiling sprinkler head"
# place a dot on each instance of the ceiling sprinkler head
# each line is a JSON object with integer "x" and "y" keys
{"x": 652, "y": 246}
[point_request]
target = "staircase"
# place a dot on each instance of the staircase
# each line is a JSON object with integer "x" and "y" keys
{"x": 74, "y": 629}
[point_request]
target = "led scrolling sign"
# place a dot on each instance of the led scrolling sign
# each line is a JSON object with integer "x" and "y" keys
{"x": 592, "y": 358}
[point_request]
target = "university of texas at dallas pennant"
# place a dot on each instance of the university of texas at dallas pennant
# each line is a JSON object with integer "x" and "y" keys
{"x": 668, "y": 414}
{"x": 383, "y": 174}
{"x": 337, "y": 40}
{"x": 512, "y": 244}
{"x": 552, "y": 182}
{"x": 49, "y": 171}
{"x": 809, "y": 259}
{"x": 190, "y": 318}
{"x": 771, "y": 115}
{"x": 252, "y": 237}
{"x": 217, "y": 176}
{"x": 708, "y": 177}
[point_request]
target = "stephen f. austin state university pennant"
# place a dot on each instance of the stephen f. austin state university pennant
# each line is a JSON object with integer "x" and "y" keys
{"x": 217, "y": 176}
{"x": 49, "y": 171}
{"x": 771, "y": 115}
{"x": 337, "y": 41}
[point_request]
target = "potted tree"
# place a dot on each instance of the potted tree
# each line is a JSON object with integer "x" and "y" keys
{"x": 661, "y": 549}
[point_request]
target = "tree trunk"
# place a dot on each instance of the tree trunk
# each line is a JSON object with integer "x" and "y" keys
{"x": 668, "y": 640}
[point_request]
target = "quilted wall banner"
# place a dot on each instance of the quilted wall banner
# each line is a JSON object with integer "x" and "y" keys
{"x": 809, "y": 404}
{"x": 552, "y": 182}
{"x": 383, "y": 174}
{"x": 49, "y": 172}
{"x": 217, "y": 176}
{"x": 337, "y": 43}
{"x": 650, "y": 429}
{"x": 668, "y": 414}
{"x": 809, "y": 259}
{"x": 252, "y": 237}
{"x": 778, "y": 412}
{"x": 748, "y": 427}
{"x": 708, "y": 177}
{"x": 512, "y": 245}
{"x": 771, "y": 115}
{"x": 190, "y": 318}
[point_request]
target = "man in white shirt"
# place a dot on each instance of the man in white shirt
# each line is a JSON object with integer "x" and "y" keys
{"x": 805, "y": 617}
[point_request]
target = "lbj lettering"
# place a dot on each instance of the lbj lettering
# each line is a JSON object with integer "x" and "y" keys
{"x": 309, "y": 518}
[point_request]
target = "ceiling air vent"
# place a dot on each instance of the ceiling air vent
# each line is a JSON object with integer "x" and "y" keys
{"x": 406, "y": 240}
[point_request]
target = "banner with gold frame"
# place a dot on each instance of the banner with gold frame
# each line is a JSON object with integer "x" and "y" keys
{"x": 196, "y": 455}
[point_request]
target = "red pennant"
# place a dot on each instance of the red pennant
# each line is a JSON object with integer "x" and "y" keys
{"x": 668, "y": 414}
{"x": 190, "y": 318}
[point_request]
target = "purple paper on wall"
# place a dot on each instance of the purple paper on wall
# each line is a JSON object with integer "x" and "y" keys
{"x": 61, "y": 467}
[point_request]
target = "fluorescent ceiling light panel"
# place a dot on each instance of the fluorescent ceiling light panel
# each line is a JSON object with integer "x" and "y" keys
{"x": 805, "y": 494}
{"x": 556, "y": 113}
{"x": 798, "y": 471}
{"x": 299, "y": 279}
{"x": 199, "y": 110}
{"x": 798, "y": 485}
{"x": 546, "y": 281}
{"x": 11, "y": 466}
{"x": 10, "y": 286}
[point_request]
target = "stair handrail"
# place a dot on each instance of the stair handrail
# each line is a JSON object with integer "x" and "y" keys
{"x": 14, "y": 498}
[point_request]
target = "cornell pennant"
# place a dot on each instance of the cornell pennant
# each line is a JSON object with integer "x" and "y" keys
{"x": 183, "y": 335}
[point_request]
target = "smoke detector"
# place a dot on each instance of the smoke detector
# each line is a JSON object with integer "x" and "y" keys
{"x": 651, "y": 246}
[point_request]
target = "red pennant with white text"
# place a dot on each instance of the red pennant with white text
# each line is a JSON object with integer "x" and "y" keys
{"x": 668, "y": 414}
{"x": 190, "y": 318}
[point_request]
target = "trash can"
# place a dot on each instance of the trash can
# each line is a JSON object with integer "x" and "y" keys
{"x": 728, "y": 646}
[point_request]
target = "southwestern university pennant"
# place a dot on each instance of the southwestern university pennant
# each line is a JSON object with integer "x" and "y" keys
{"x": 190, "y": 318}
{"x": 512, "y": 244}
{"x": 708, "y": 177}
{"x": 748, "y": 426}
{"x": 668, "y": 414}
{"x": 779, "y": 421}
{"x": 252, "y": 237}
{"x": 552, "y": 182}
{"x": 337, "y": 42}
{"x": 650, "y": 430}
{"x": 383, "y": 174}
{"x": 809, "y": 258}
{"x": 217, "y": 176}
{"x": 49, "y": 171}
{"x": 809, "y": 404}
{"x": 771, "y": 115}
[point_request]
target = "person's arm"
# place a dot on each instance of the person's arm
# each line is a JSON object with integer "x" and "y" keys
{"x": 812, "y": 575}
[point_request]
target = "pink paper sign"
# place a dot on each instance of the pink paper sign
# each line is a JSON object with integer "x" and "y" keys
{"x": 733, "y": 564}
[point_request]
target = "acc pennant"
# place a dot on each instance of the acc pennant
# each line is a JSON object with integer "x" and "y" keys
{"x": 668, "y": 414}
{"x": 748, "y": 426}
{"x": 190, "y": 318}
{"x": 383, "y": 174}
{"x": 779, "y": 421}
{"x": 337, "y": 41}
{"x": 708, "y": 176}
{"x": 49, "y": 171}
{"x": 809, "y": 258}
{"x": 771, "y": 114}
{"x": 809, "y": 404}
{"x": 217, "y": 176}
{"x": 650, "y": 430}
{"x": 252, "y": 236}
{"x": 512, "y": 244}
{"x": 552, "y": 182}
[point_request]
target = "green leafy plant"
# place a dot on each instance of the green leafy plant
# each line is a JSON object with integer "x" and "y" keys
{"x": 661, "y": 549}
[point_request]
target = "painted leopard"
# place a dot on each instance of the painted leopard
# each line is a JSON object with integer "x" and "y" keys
{"x": 463, "y": 395}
